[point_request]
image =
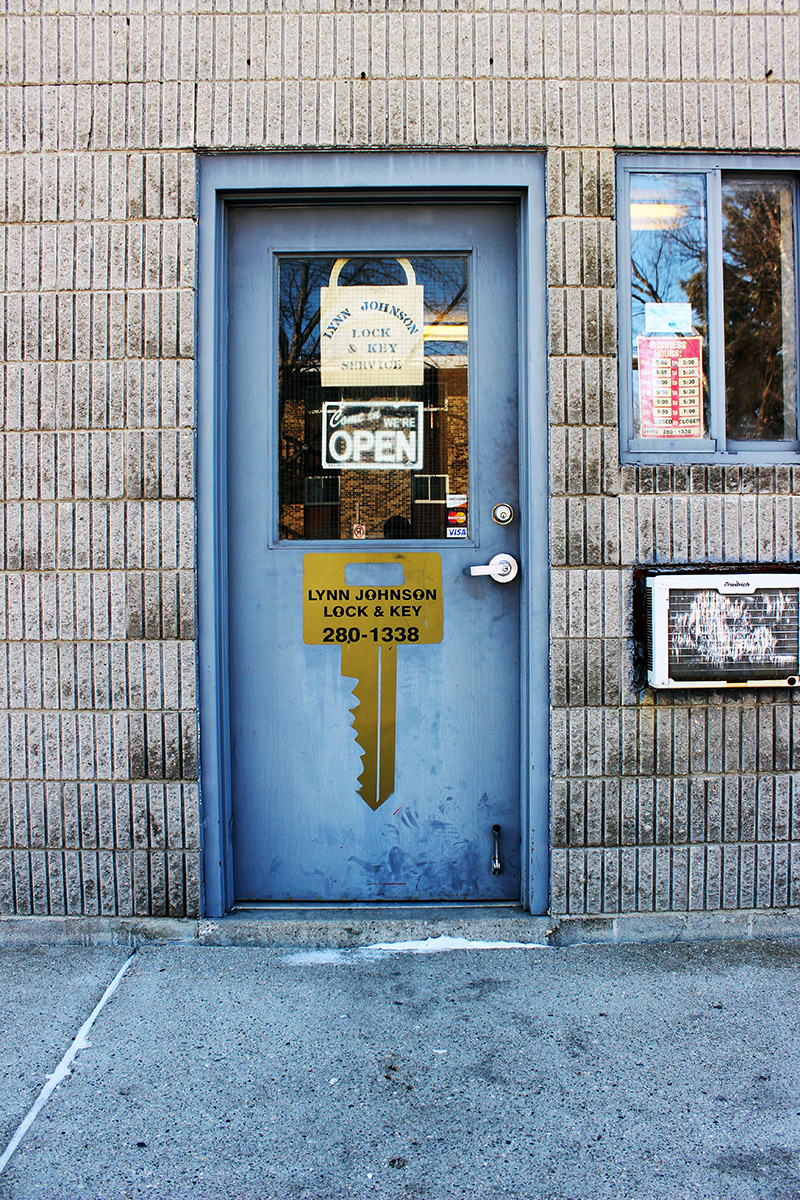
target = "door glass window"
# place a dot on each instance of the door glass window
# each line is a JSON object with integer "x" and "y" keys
{"x": 372, "y": 397}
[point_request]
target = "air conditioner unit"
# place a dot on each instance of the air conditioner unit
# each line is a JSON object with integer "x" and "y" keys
{"x": 723, "y": 630}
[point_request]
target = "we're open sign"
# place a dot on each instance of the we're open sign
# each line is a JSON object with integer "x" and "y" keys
{"x": 361, "y": 436}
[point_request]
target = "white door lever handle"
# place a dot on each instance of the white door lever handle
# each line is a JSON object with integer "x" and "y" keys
{"x": 502, "y": 568}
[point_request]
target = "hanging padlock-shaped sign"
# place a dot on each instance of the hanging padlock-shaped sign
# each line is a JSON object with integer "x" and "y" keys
{"x": 372, "y": 335}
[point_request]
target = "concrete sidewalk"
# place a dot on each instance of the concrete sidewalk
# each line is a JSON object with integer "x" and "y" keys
{"x": 643, "y": 1071}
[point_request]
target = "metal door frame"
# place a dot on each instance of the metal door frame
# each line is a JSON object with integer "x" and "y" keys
{"x": 324, "y": 176}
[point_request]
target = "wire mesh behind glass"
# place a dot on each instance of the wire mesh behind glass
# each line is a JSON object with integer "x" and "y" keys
{"x": 322, "y": 499}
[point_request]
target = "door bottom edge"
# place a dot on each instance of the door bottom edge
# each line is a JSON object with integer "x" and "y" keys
{"x": 368, "y": 909}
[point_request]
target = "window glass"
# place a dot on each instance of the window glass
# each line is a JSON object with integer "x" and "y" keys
{"x": 759, "y": 307}
{"x": 708, "y": 322}
{"x": 669, "y": 305}
{"x": 372, "y": 395}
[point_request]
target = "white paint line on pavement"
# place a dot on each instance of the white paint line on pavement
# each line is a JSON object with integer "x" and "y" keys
{"x": 62, "y": 1070}
{"x": 431, "y": 945}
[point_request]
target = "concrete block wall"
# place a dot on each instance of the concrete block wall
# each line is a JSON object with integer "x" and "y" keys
{"x": 98, "y": 731}
{"x": 657, "y": 803}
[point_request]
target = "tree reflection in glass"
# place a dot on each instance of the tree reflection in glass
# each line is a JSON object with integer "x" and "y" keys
{"x": 758, "y": 286}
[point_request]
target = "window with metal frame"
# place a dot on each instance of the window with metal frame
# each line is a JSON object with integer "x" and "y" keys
{"x": 429, "y": 489}
{"x": 708, "y": 277}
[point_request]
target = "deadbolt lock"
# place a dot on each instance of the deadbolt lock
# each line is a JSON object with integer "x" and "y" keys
{"x": 503, "y": 514}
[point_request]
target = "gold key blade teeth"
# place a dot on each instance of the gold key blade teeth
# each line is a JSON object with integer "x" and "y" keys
{"x": 360, "y": 661}
{"x": 375, "y": 668}
{"x": 366, "y": 738}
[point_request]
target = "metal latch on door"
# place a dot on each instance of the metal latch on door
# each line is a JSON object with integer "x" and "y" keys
{"x": 496, "y": 864}
{"x": 502, "y": 568}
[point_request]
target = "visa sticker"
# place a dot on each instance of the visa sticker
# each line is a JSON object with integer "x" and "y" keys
{"x": 457, "y": 531}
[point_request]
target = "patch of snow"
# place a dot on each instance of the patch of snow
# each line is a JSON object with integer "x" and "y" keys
{"x": 437, "y": 945}
{"x": 431, "y": 945}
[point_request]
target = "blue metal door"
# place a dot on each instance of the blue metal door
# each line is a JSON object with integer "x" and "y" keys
{"x": 372, "y": 465}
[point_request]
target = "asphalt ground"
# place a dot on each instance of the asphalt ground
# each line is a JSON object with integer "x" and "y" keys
{"x": 669, "y": 1072}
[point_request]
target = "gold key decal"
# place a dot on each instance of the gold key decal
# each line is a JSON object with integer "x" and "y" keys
{"x": 369, "y": 622}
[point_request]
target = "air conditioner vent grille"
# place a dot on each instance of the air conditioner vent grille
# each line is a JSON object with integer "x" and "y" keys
{"x": 718, "y": 629}
{"x": 714, "y": 636}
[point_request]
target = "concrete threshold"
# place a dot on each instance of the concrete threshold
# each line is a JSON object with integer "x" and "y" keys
{"x": 354, "y": 925}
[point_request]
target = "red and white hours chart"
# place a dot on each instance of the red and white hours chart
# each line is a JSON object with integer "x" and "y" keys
{"x": 670, "y": 387}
